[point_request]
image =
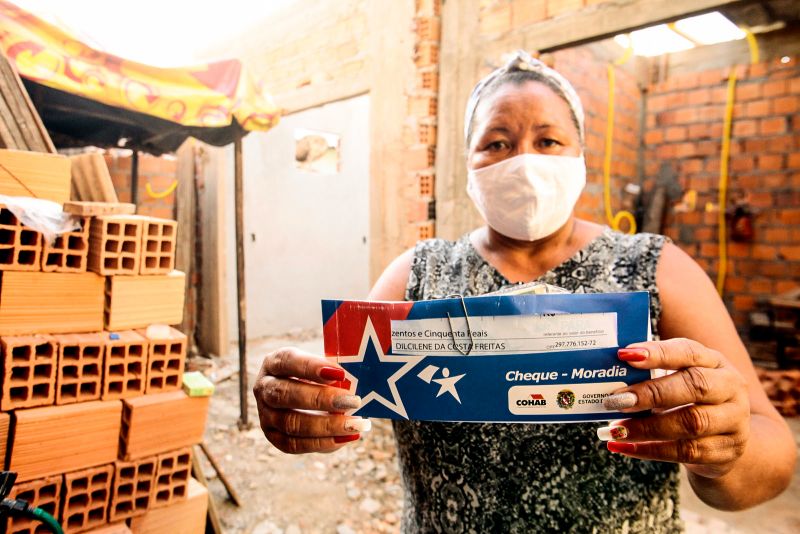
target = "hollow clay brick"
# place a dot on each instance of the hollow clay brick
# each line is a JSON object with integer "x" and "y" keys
{"x": 125, "y": 367}
{"x": 50, "y": 303}
{"x": 44, "y": 493}
{"x": 173, "y": 472}
{"x": 85, "y": 497}
{"x": 69, "y": 251}
{"x": 57, "y": 439}
{"x": 29, "y": 371}
{"x": 20, "y": 246}
{"x": 165, "y": 361}
{"x": 5, "y": 427}
{"x": 156, "y": 423}
{"x": 80, "y": 367}
{"x": 184, "y": 517}
{"x": 115, "y": 244}
{"x": 139, "y": 301}
{"x": 114, "y": 528}
{"x": 133, "y": 488}
{"x": 158, "y": 246}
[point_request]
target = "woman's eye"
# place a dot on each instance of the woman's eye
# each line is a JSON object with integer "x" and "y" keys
{"x": 497, "y": 145}
{"x": 549, "y": 143}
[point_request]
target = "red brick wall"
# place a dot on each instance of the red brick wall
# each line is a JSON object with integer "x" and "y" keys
{"x": 159, "y": 172}
{"x": 684, "y": 128}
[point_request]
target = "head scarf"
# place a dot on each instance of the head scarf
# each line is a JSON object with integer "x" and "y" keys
{"x": 522, "y": 61}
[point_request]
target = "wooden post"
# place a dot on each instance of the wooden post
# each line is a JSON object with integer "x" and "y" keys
{"x": 240, "y": 286}
{"x": 185, "y": 255}
{"x": 135, "y": 179}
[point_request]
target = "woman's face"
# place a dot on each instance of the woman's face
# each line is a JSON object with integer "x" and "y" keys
{"x": 522, "y": 119}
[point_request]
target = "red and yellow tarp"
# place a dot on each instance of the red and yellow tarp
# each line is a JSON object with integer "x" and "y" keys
{"x": 210, "y": 95}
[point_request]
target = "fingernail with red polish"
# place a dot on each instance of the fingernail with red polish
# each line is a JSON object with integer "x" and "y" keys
{"x": 331, "y": 373}
{"x": 608, "y": 433}
{"x": 633, "y": 355}
{"x": 621, "y": 447}
{"x": 346, "y": 439}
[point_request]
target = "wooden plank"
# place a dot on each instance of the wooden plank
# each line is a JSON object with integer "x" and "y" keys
{"x": 93, "y": 209}
{"x": 139, "y": 301}
{"x": 91, "y": 178}
{"x": 608, "y": 19}
{"x": 184, "y": 517}
{"x": 37, "y": 138}
{"x": 34, "y": 174}
{"x": 458, "y": 73}
{"x": 153, "y": 424}
{"x": 50, "y": 303}
{"x": 19, "y": 114}
{"x": 185, "y": 253}
{"x": 78, "y": 436}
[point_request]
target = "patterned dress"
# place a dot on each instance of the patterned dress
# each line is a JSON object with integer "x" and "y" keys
{"x": 468, "y": 477}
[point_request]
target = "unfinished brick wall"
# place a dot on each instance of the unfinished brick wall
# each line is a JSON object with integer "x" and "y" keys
{"x": 317, "y": 43}
{"x": 684, "y": 130}
{"x": 160, "y": 172}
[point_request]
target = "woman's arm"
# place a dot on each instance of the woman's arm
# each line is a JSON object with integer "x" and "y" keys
{"x": 718, "y": 421}
{"x": 392, "y": 283}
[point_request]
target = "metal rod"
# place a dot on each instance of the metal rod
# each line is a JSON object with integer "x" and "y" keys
{"x": 221, "y": 475}
{"x": 135, "y": 178}
{"x": 240, "y": 287}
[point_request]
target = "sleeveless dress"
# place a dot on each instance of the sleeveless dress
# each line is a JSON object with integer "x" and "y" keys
{"x": 482, "y": 478}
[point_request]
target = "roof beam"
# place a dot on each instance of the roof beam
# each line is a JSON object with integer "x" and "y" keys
{"x": 609, "y": 19}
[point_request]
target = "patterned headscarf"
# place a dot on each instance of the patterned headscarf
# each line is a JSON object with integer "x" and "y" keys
{"x": 522, "y": 61}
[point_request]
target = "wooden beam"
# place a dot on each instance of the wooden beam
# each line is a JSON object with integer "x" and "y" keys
{"x": 611, "y": 18}
{"x": 322, "y": 93}
{"x": 459, "y": 66}
{"x": 391, "y": 48}
{"x": 775, "y": 44}
{"x": 185, "y": 249}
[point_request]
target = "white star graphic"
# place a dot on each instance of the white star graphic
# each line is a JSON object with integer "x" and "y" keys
{"x": 396, "y": 404}
{"x": 448, "y": 384}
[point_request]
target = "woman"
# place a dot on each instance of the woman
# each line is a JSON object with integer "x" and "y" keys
{"x": 524, "y": 131}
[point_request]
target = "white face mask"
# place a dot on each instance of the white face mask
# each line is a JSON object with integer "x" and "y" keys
{"x": 529, "y": 196}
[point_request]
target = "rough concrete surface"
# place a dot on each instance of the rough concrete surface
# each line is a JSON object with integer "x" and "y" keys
{"x": 358, "y": 489}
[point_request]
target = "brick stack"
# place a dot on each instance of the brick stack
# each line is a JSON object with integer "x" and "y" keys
{"x": 782, "y": 388}
{"x": 92, "y": 416}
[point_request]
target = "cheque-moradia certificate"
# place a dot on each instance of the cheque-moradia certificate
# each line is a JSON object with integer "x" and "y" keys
{"x": 512, "y": 358}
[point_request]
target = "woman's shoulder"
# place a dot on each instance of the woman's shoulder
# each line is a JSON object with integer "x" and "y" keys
{"x": 636, "y": 245}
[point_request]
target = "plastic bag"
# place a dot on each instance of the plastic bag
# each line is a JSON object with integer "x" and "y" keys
{"x": 44, "y": 216}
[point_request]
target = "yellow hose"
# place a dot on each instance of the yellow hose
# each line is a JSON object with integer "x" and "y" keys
{"x": 723, "y": 184}
{"x": 614, "y": 220}
{"x": 722, "y": 237}
{"x": 165, "y": 193}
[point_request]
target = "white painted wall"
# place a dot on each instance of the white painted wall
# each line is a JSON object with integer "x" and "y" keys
{"x": 306, "y": 235}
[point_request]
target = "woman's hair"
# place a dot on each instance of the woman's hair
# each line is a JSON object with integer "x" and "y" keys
{"x": 520, "y": 69}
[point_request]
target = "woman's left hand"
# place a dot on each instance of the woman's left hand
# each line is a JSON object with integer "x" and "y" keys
{"x": 701, "y": 412}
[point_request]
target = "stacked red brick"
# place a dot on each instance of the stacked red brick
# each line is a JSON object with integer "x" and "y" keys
{"x": 65, "y": 380}
{"x": 783, "y": 389}
{"x": 684, "y": 128}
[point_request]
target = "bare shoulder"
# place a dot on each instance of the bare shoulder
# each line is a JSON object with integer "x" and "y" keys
{"x": 391, "y": 285}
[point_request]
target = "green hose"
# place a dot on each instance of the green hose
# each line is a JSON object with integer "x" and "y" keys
{"x": 47, "y": 519}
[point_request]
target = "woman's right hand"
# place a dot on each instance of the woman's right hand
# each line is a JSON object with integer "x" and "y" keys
{"x": 292, "y": 382}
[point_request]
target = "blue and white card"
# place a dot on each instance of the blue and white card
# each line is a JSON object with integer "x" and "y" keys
{"x": 520, "y": 358}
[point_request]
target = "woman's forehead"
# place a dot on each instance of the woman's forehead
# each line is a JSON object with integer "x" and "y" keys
{"x": 529, "y": 100}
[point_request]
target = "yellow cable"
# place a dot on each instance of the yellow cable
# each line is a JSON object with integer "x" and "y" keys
{"x": 753, "y": 44}
{"x": 165, "y": 193}
{"x": 613, "y": 220}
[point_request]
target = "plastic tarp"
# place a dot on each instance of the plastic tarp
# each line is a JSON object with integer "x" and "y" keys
{"x": 160, "y": 106}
